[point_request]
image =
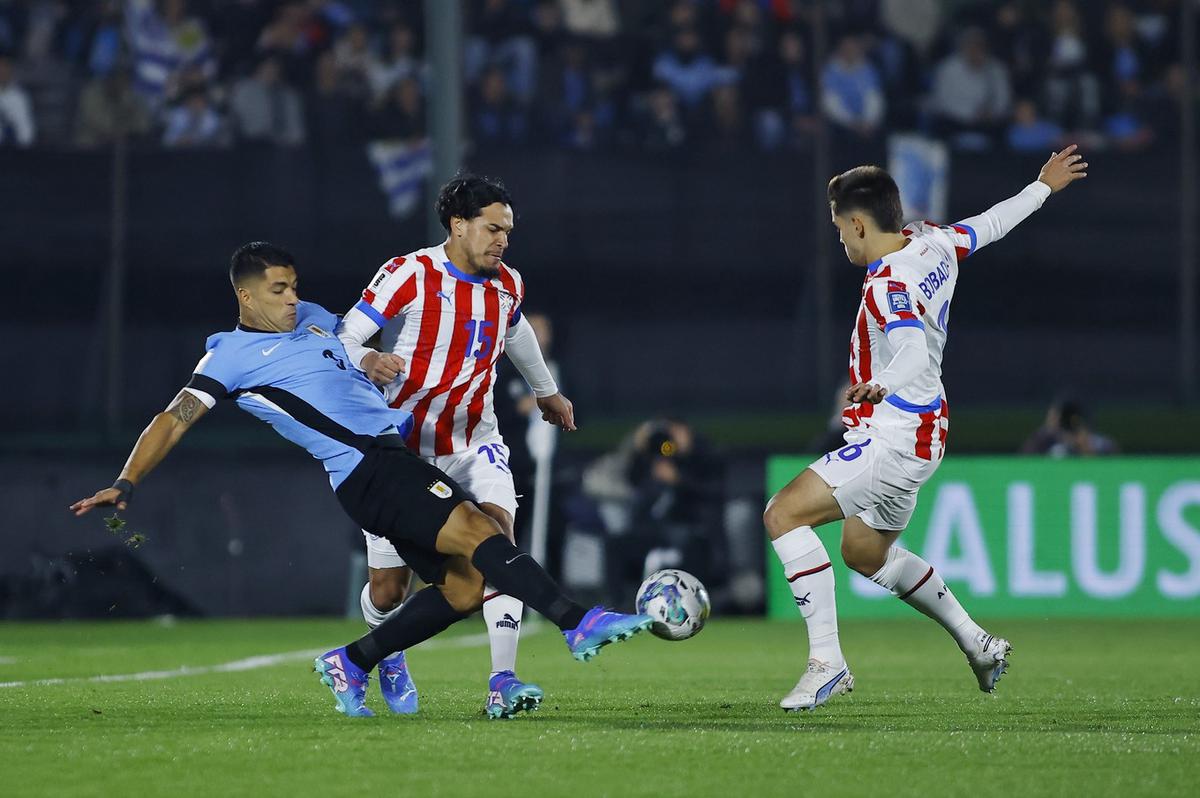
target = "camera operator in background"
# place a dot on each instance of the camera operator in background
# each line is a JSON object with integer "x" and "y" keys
{"x": 661, "y": 497}
{"x": 1066, "y": 432}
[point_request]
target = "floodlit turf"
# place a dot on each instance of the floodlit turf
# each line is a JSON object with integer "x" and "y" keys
{"x": 1090, "y": 708}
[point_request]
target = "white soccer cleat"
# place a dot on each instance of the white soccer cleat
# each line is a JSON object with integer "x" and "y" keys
{"x": 820, "y": 682}
{"x": 989, "y": 660}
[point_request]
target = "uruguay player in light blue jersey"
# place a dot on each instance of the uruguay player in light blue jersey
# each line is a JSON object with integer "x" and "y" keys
{"x": 285, "y": 365}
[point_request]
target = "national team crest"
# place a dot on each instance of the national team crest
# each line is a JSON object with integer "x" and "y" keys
{"x": 441, "y": 490}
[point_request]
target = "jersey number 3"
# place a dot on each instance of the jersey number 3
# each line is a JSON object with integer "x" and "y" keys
{"x": 480, "y": 334}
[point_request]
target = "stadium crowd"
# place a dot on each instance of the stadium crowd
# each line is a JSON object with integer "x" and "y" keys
{"x": 653, "y": 75}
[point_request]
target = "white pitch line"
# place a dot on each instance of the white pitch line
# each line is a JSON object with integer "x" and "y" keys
{"x": 247, "y": 664}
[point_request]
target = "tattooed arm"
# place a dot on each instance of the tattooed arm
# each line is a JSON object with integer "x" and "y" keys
{"x": 159, "y": 437}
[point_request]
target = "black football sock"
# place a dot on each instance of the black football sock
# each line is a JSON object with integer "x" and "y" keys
{"x": 419, "y": 618}
{"x": 514, "y": 572}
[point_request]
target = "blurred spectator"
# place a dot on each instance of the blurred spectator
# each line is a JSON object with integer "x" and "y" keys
{"x": 660, "y": 124}
{"x": 1021, "y": 43}
{"x": 725, "y": 129}
{"x": 16, "y": 114}
{"x": 194, "y": 123}
{"x": 496, "y": 118}
{"x": 592, "y": 19}
{"x": 501, "y": 37}
{"x": 851, "y": 94}
{"x": 355, "y": 60}
{"x": 336, "y": 115}
{"x": 400, "y": 114}
{"x": 1030, "y": 133}
{"x": 1066, "y": 433}
{"x": 401, "y": 62}
{"x": 661, "y": 497}
{"x": 108, "y": 107}
{"x": 164, "y": 42}
{"x": 572, "y": 111}
{"x": 1123, "y": 62}
{"x": 296, "y": 35}
{"x": 96, "y": 39}
{"x": 1071, "y": 88}
{"x": 687, "y": 70}
{"x": 971, "y": 92}
{"x": 265, "y": 109}
{"x": 779, "y": 87}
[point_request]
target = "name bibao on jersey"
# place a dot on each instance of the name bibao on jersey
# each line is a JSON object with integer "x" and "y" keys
{"x": 449, "y": 326}
{"x": 912, "y": 287}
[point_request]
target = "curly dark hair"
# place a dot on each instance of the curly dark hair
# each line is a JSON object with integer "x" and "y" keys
{"x": 870, "y": 189}
{"x": 466, "y": 195}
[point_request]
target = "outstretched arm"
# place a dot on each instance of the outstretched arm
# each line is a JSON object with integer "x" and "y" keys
{"x": 521, "y": 345}
{"x": 1063, "y": 169}
{"x": 159, "y": 437}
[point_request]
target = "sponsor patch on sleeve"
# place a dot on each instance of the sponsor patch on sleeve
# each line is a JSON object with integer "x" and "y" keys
{"x": 899, "y": 302}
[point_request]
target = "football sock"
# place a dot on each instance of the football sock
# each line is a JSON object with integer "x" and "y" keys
{"x": 372, "y": 614}
{"x": 502, "y": 614}
{"x": 420, "y": 618}
{"x": 916, "y": 583}
{"x": 517, "y": 574}
{"x": 810, "y": 575}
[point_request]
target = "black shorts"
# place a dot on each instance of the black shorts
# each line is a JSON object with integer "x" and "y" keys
{"x": 395, "y": 494}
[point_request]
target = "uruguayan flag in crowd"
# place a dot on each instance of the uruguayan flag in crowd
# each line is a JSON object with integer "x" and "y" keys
{"x": 402, "y": 169}
{"x": 921, "y": 168}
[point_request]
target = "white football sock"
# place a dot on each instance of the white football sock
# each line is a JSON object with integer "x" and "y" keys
{"x": 916, "y": 583}
{"x": 502, "y": 614}
{"x": 372, "y": 614}
{"x": 810, "y": 574}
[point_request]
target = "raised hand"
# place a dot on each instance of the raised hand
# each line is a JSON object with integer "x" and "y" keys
{"x": 1063, "y": 169}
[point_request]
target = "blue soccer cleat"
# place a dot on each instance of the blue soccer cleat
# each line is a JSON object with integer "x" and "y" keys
{"x": 347, "y": 681}
{"x": 599, "y": 628}
{"x": 508, "y": 695}
{"x": 397, "y": 685}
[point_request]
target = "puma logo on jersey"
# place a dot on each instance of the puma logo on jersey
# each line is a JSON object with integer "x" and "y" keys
{"x": 446, "y": 297}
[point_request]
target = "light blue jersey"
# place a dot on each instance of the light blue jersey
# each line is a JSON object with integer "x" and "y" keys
{"x": 302, "y": 384}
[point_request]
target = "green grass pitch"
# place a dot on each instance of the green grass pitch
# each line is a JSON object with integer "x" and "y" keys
{"x": 1090, "y": 708}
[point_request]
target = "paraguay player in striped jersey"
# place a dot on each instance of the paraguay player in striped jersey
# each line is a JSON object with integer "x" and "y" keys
{"x": 285, "y": 366}
{"x": 446, "y": 314}
{"x": 896, "y": 422}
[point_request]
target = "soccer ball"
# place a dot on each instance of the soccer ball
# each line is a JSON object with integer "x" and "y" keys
{"x": 676, "y": 601}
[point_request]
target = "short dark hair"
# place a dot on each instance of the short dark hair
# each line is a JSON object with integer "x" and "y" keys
{"x": 870, "y": 189}
{"x": 466, "y": 195}
{"x": 251, "y": 260}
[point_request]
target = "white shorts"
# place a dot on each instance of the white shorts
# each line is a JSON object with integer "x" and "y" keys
{"x": 874, "y": 481}
{"x": 482, "y": 472}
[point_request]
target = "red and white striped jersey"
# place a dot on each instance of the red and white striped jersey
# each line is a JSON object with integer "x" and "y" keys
{"x": 912, "y": 287}
{"x": 449, "y": 326}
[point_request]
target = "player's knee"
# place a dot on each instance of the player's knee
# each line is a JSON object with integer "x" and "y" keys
{"x": 479, "y": 526}
{"x": 464, "y": 596}
{"x": 782, "y": 515}
{"x": 864, "y": 559}
{"x": 389, "y": 587}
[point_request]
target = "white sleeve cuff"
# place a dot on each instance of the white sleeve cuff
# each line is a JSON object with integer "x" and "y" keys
{"x": 356, "y": 327}
{"x": 208, "y": 399}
